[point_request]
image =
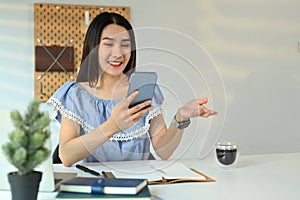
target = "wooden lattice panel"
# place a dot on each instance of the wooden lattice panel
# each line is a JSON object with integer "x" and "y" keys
{"x": 58, "y": 24}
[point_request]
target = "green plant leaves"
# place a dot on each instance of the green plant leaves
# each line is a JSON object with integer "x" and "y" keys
{"x": 25, "y": 148}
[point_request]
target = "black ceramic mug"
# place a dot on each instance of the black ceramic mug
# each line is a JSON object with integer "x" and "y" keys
{"x": 226, "y": 154}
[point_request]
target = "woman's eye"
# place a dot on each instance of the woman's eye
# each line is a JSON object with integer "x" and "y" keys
{"x": 125, "y": 45}
{"x": 108, "y": 44}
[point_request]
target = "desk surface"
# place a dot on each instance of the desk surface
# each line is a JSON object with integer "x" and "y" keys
{"x": 271, "y": 176}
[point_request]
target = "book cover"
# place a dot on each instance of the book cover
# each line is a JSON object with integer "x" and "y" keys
{"x": 103, "y": 185}
{"x": 144, "y": 194}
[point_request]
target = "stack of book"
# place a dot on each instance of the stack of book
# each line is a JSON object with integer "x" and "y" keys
{"x": 104, "y": 188}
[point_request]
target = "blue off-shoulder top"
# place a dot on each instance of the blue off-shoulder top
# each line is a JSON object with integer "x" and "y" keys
{"x": 75, "y": 103}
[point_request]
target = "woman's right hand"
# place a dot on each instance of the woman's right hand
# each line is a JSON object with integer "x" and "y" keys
{"x": 122, "y": 117}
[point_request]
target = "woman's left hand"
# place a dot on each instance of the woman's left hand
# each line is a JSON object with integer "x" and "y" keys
{"x": 194, "y": 108}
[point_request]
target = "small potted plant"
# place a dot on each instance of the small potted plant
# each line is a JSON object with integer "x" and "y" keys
{"x": 26, "y": 150}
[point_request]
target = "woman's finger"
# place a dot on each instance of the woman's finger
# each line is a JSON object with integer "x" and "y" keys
{"x": 209, "y": 113}
{"x": 132, "y": 96}
{"x": 140, "y": 106}
{"x": 202, "y": 101}
{"x": 138, "y": 115}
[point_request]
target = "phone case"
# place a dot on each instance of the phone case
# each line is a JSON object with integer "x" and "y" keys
{"x": 145, "y": 83}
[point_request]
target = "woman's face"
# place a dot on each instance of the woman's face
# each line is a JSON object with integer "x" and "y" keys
{"x": 114, "y": 49}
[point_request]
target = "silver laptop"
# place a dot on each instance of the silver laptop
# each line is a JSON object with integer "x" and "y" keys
{"x": 50, "y": 180}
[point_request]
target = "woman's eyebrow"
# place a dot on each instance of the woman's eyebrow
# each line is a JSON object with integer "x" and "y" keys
{"x": 112, "y": 39}
{"x": 107, "y": 38}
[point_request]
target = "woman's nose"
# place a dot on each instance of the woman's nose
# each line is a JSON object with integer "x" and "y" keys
{"x": 117, "y": 51}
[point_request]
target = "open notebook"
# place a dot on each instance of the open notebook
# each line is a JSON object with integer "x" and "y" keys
{"x": 50, "y": 180}
{"x": 155, "y": 171}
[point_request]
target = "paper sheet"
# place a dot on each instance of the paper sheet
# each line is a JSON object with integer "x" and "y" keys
{"x": 153, "y": 170}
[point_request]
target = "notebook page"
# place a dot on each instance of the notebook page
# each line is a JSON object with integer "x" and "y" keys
{"x": 178, "y": 171}
{"x": 127, "y": 169}
{"x": 137, "y": 170}
{"x": 152, "y": 170}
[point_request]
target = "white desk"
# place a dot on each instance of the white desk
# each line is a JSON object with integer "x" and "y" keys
{"x": 274, "y": 177}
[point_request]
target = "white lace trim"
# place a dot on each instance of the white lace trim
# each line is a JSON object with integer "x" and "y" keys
{"x": 140, "y": 131}
{"x": 57, "y": 106}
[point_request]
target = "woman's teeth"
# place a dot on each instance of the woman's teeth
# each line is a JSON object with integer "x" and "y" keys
{"x": 115, "y": 63}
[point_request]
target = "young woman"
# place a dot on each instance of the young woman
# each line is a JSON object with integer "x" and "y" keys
{"x": 96, "y": 122}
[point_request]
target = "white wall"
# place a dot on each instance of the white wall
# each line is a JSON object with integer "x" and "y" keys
{"x": 241, "y": 54}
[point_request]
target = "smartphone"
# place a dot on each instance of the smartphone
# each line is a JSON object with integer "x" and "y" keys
{"x": 145, "y": 83}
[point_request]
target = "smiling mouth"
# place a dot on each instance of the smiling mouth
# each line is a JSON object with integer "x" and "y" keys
{"x": 115, "y": 63}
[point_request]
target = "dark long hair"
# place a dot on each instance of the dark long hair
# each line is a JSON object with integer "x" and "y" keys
{"x": 90, "y": 70}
